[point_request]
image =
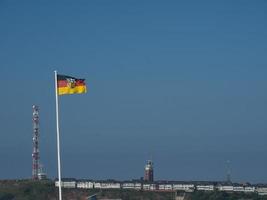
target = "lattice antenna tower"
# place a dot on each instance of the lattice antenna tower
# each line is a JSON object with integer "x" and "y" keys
{"x": 35, "y": 141}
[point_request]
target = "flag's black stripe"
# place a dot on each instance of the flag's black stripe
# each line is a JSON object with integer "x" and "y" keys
{"x": 64, "y": 77}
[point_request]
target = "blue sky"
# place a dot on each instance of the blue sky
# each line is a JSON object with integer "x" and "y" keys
{"x": 183, "y": 82}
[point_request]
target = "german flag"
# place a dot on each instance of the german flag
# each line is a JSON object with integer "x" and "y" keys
{"x": 70, "y": 85}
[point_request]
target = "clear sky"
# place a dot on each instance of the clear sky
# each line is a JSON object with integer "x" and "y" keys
{"x": 181, "y": 82}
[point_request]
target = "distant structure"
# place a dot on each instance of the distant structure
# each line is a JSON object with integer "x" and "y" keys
{"x": 228, "y": 172}
{"x": 149, "y": 172}
{"x": 37, "y": 168}
{"x": 41, "y": 173}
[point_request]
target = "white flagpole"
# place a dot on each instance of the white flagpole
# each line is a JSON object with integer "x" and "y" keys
{"x": 58, "y": 143}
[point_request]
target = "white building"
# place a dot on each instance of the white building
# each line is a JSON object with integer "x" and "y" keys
{"x": 149, "y": 186}
{"x": 261, "y": 190}
{"x": 238, "y": 189}
{"x": 138, "y": 186}
{"x": 85, "y": 184}
{"x": 66, "y": 184}
{"x": 128, "y": 186}
{"x": 97, "y": 185}
{"x": 110, "y": 185}
{"x": 165, "y": 187}
{"x": 226, "y": 188}
{"x": 135, "y": 186}
{"x": 184, "y": 187}
{"x": 249, "y": 189}
{"x": 205, "y": 187}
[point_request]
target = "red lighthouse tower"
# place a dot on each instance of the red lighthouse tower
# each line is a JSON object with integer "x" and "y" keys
{"x": 149, "y": 172}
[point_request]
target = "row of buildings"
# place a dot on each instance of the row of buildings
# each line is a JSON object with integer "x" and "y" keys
{"x": 167, "y": 186}
{"x": 148, "y": 184}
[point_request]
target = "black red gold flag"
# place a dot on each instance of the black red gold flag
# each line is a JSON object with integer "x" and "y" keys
{"x": 70, "y": 85}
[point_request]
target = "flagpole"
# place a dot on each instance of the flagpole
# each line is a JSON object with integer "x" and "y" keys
{"x": 58, "y": 142}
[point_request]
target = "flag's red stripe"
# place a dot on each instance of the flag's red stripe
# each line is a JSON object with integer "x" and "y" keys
{"x": 79, "y": 82}
{"x": 64, "y": 83}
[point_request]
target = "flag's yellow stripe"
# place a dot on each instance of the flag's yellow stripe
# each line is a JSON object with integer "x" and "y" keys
{"x": 69, "y": 90}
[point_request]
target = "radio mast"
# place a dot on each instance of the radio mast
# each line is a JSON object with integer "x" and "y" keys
{"x": 35, "y": 141}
